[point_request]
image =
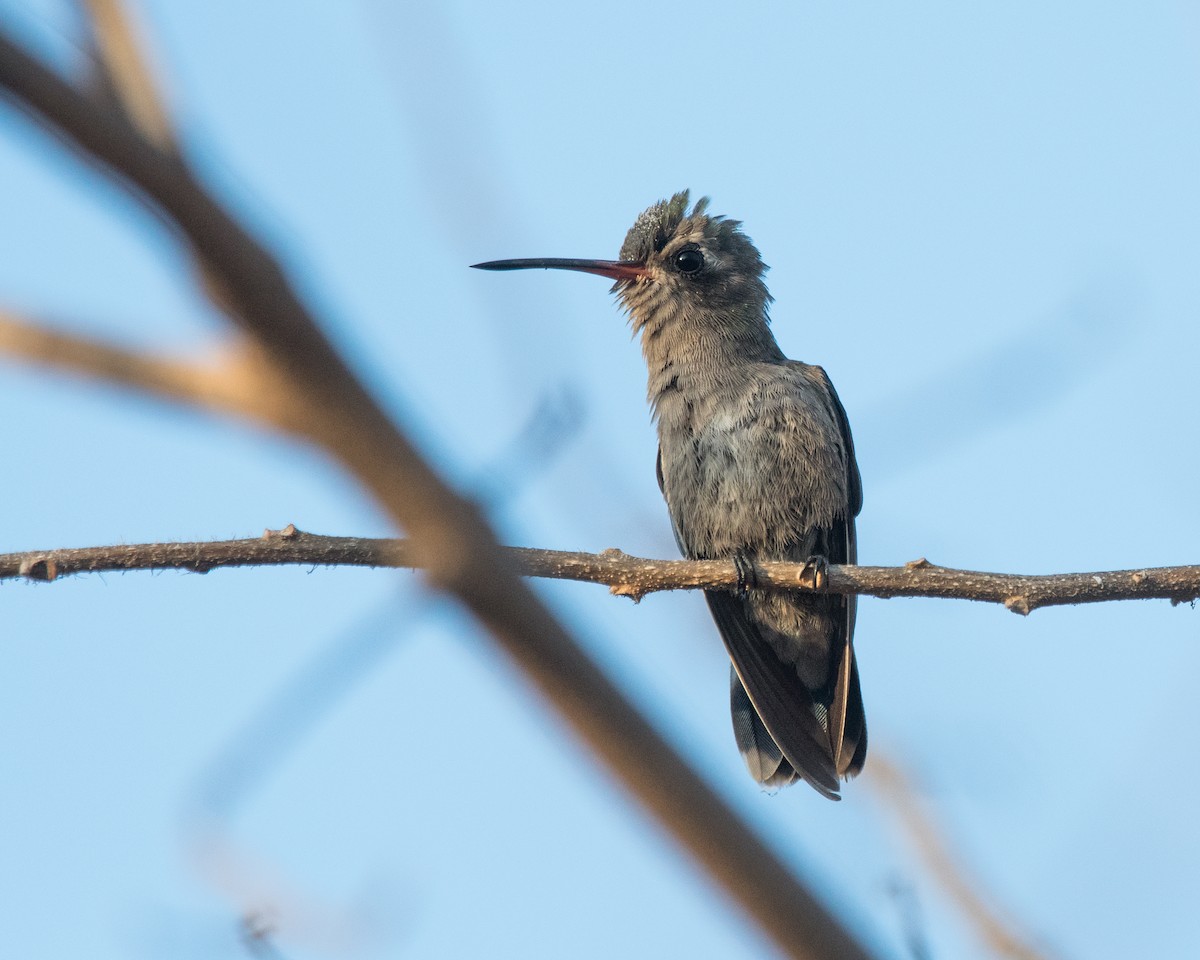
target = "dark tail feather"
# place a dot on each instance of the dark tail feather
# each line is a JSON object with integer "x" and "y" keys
{"x": 847, "y": 720}
{"x": 789, "y": 712}
{"x": 761, "y": 753}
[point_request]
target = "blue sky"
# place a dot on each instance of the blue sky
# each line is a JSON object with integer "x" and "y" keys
{"x": 984, "y": 223}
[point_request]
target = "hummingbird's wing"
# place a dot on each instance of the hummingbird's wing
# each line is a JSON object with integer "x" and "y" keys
{"x": 853, "y": 477}
{"x": 847, "y": 719}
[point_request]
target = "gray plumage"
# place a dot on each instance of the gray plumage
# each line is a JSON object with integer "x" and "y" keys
{"x": 755, "y": 461}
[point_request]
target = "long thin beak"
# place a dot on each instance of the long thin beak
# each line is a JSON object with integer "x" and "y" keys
{"x": 613, "y": 269}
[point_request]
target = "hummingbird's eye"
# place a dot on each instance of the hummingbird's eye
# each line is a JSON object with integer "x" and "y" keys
{"x": 689, "y": 261}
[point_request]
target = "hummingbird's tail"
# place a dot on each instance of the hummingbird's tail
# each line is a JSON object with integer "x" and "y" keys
{"x": 795, "y": 716}
{"x": 761, "y": 753}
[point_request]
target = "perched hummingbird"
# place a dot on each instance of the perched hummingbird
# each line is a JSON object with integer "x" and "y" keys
{"x": 755, "y": 461}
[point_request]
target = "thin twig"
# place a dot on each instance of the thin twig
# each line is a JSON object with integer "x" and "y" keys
{"x": 998, "y": 933}
{"x": 623, "y": 574}
{"x": 448, "y": 534}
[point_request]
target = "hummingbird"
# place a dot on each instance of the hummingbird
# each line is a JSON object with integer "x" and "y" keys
{"x": 755, "y": 462}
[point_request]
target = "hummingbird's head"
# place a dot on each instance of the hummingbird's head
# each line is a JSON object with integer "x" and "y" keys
{"x": 679, "y": 266}
{"x": 691, "y": 262}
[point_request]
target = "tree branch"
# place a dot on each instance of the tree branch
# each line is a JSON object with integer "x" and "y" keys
{"x": 623, "y": 574}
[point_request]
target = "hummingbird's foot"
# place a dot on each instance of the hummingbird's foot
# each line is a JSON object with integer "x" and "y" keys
{"x": 816, "y": 572}
{"x": 747, "y": 579}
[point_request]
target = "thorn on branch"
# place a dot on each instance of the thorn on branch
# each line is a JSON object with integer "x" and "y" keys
{"x": 44, "y": 569}
{"x": 629, "y": 590}
{"x": 258, "y": 929}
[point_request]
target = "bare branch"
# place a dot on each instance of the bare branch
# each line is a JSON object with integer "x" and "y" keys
{"x": 448, "y": 534}
{"x": 623, "y": 574}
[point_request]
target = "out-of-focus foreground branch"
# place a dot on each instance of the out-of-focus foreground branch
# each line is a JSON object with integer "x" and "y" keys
{"x": 237, "y": 380}
{"x": 624, "y": 575}
{"x": 448, "y": 536}
{"x": 122, "y": 70}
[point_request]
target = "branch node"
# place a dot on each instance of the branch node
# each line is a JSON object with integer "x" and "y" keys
{"x": 44, "y": 569}
{"x": 287, "y": 533}
{"x": 919, "y": 564}
{"x": 1019, "y": 604}
{"x": 1139, "y": 576}
{"x": 612, "y": 553}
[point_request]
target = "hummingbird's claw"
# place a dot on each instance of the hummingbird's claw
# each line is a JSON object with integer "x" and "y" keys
{"x": 816, "y": 571}
{"x": 747, "y": 579}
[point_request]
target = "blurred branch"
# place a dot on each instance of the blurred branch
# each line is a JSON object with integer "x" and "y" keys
{"x": 237, "y": 380}
{"x": 555, "y": 421}
{"x": 448, "y": 535}
{"x": 125, "y": 72}
{"x": 624, "y": 575}
{"x": 890, "y": 781}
